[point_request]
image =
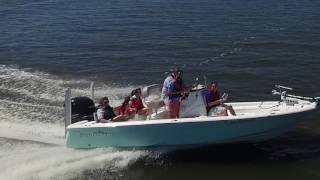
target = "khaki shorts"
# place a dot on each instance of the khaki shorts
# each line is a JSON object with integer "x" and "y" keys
{"x": 217, "y": 111}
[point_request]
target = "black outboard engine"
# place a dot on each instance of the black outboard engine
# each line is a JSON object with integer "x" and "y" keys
{"x": 82, "y": 108}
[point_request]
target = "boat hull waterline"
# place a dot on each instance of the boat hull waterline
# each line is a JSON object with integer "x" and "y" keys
{"x": 204, "y": 130}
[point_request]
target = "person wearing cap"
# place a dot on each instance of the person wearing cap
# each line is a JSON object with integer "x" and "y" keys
{"x": 105, "y": 113}
{"x": 172, "y": 91}
{"x": 215, "y": 101}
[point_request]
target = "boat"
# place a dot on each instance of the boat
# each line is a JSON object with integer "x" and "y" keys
{"x": 253, "y": 122}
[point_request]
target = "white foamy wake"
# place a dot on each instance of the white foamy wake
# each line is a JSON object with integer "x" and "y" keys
{"x": 62, "y": 163}
{"x": 38, "y": 132}
{"x": 43, "y": 88}
{"x": 32, "y": 102}
{"x": 32, "y": 128}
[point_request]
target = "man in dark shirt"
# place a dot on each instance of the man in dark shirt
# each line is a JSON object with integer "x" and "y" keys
{"x": 215, "y": 101}
{"x": 105, "y": 112}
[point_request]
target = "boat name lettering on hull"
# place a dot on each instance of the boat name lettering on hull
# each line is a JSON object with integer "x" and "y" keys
{"x": 240, "y": 121}
{"x": 98, "y": 133}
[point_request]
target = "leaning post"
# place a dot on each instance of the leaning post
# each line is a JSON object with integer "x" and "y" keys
{"x": 67, "y": 110}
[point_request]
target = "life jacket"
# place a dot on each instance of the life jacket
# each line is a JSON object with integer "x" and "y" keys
{"x": 137, "y": 103}
{"x": 211, "y": 97}
{"x": 125, "y": 110}
{"x": 177, "y": 87}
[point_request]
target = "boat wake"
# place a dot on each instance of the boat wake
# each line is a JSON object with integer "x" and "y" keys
{"x": 35, "y": 161}
{"x": 32, "y": 134}
{"x": 32, "y": 128}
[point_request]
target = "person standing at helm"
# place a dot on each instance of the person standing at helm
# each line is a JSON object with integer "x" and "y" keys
{"x": 172, "y": 91}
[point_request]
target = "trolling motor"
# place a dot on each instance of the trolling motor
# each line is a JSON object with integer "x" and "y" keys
{"x": 290, "y": 99}
{"x": 281, "y": 91}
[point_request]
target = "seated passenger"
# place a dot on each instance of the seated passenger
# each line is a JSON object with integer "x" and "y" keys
{"x": 215, "y": 101}
{"x": 105, "y": 112}
{"x": 126, "y": 110}
{"x": 137, "y": 103}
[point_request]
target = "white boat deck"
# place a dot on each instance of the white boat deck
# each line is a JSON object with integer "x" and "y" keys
{"x": 244, "y": 110}
{"x": 254, "y": 121}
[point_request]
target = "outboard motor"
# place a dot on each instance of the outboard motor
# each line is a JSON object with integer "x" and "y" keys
{"x": 82, "y": 108}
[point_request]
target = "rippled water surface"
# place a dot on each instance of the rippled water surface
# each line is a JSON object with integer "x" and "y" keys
{"x": 248, "y": 46}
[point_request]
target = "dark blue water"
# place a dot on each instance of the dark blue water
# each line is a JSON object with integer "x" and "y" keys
{"x": 136, "y": 41}
{"x": 248, "y": 46}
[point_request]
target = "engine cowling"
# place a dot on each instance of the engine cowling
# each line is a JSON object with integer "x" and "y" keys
{"x": 82, "y": 108}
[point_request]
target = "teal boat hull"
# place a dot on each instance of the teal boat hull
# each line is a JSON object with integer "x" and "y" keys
{"x": 180, "y": 132}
